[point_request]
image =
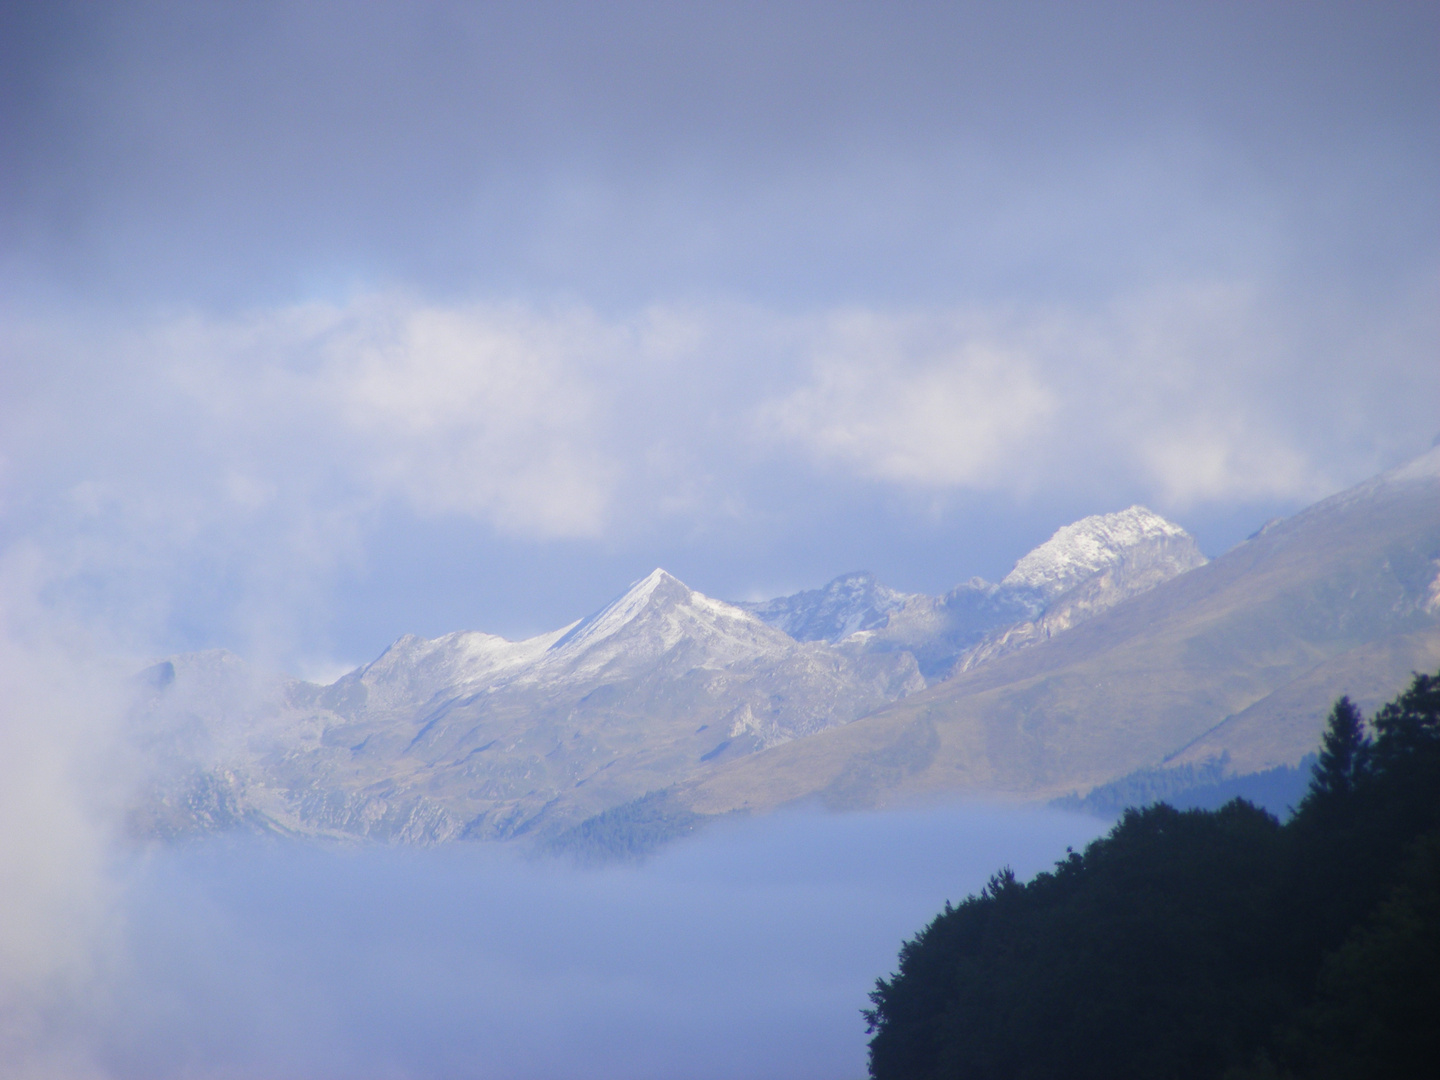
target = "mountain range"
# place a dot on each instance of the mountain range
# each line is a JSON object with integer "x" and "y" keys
{"x": 1112, "y": 647}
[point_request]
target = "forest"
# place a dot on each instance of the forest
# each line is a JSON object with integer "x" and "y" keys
{"x": 1218, "y": 944}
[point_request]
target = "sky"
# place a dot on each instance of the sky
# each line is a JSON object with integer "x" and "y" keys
{"x": 323, "y": 323}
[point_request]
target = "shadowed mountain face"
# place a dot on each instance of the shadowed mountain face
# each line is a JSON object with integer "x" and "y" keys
{"x": 849, "y": 604}
{"x": 1112, "y": 648}
{"x": 1240, "y": 657}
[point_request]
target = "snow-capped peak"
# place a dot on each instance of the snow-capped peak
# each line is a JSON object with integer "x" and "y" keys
{"x": 654, "y": 616}
{"x": 1089, "y": 546}
{"x": 658, "y": 588}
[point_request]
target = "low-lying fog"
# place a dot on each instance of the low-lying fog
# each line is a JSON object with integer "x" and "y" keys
{"x": 747, "y": 951}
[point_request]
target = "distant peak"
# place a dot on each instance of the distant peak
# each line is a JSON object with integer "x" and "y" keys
{"x": 658, "y": 582}
{"x": 844, "y": 605}
{"x": 1089, "y": 545}
{"x": 659, "y": 587}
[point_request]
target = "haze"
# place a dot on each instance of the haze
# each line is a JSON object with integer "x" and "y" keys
{"x": 748, "y": 952}
{"x": 325, "y": 323}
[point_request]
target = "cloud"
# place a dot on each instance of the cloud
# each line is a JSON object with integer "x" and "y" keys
{"x": 226, "y": 469}
{"x": 1206, "y": 459}
{"x": 483, "y": 410}
{"x": 914, "y": 401}
{"x": 1189, "y": 394}
{"x": 61, "y": 778}
{"x": 747, "y": 951}
{"x": 154, "y": 457}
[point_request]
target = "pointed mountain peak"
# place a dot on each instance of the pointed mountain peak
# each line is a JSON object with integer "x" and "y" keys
{"x": 657, "y": 590}
{"x": 657, "y": 579}
{"x": 1090, "y": 545}
{"x": 657, "y": 587}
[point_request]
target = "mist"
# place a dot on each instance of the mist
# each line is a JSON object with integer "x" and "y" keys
{"x": 745, "y": 951}
{"x": 323, "y": 324}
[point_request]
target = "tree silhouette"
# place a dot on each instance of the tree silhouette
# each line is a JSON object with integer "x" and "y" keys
{"x": 1342, "y": 753}
{"x": 1204, "y": 944}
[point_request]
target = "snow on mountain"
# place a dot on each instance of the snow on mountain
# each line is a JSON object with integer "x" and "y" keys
{"x": 1083, "y": 569}
{"x": 847, "y": 605}
{"x": 1087, "y": 568}
{"x": 1089, "y": 546}
{"x": 415, "y": 669}
{"x": 656, "y": 616}
{"x": 471, "y": 734}
{"x": 660, "y": 616}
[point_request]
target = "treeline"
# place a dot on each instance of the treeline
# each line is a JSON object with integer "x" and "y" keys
{"x": 1214, "y": 944}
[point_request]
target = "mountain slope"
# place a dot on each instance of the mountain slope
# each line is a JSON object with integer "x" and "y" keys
{"x": 1083, "y": 569}
{"x": 1349, "y": 582}
{"x": 1110, "y": 648}
{"x": 473, "y": 735}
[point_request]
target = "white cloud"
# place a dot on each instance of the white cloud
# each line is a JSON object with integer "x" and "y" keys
{"x": 253, "y": 456}
{"x": 488, "y": 412}
{"x": 903, "y": 399}
{"x": 1216, "y": 460}
{"x": 1186, "y": 396}
{"x": 60, "y": 779}
{"x": 1207, "y": 393}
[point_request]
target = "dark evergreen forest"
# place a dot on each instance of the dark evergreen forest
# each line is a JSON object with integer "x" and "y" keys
{"x": 1215, "y": 944}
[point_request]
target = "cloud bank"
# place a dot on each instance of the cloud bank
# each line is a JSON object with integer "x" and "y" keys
{"x": 745, "y": 952}
{"x": 255, "y": 458}
{"x": 313, "y": 313}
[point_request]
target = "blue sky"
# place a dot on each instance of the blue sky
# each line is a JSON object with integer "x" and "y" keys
{"x": 324, "y": 323}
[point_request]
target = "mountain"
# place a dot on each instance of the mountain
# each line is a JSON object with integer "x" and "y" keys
{"x": 847, "y": 605}
{"x": 473, "y": 735}
{"x": 1111, "y": 650}
{"x": 1088, "y": 568}
{"x": 1237, "y": 660}
{"x": 1104, "y": 543}
{"x": 1083, "y": 569}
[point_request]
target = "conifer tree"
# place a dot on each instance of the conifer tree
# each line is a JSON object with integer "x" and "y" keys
{"x": 1342, "y": 753}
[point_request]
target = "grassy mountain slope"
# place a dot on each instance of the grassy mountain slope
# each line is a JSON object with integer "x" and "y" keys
{"x": 1240, "y": 655}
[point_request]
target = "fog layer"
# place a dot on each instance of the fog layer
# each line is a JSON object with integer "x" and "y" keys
{"x": 745, "y": 952}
